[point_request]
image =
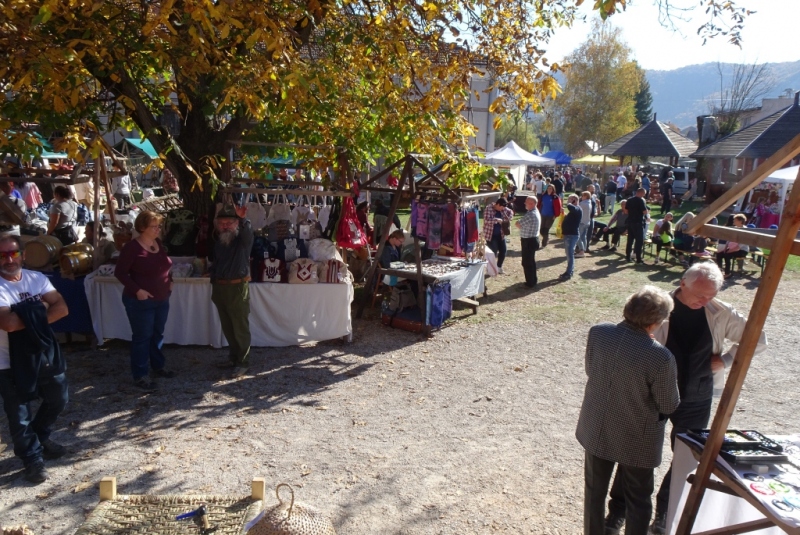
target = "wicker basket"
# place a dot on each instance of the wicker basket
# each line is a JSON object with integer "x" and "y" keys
{"x": 147, "y": 514}
{"x": 291, "y": 519}
{"x": 16, "y": 530}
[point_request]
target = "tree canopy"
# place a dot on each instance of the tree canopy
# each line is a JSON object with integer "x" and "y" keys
{"x": 601, "y": 81}
{"x": 369, "y": 79}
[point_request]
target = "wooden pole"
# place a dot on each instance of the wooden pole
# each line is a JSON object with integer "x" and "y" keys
{"x": 753, "y": 178}
{"x": 784, "y": 241}
{"x": 745, "y": 236}
{"x": 107, "y": 185}
{"x": 373, "y": 269}
{"x": 96, "y": 209}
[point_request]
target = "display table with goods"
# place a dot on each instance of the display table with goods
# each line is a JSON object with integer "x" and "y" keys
{"x": 280, "y": 314}
{"x": 755, "y": 484}
{"x": 467, "y": 278}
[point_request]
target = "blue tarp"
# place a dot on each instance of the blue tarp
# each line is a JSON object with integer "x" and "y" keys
{"x": 559, "y": 157}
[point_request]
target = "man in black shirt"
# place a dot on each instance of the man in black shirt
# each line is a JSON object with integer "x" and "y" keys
{"x": 695, "y": 333}
{"x": 666, "y": 194}
{"x": 637, "y": 223}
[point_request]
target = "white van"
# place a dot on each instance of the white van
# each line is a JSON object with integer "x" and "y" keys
{"x": 682, "y": 176}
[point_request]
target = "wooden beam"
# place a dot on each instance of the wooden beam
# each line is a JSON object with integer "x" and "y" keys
{"x": 784, "y": 241}
{"x": 745, "y": 236}
{"x": 283, "y": 145}
{"x": 714, "y": 485}
{"x": 373, "y": 269}
{"x": 753, "y": 178}
{"x": 296, "y": 191}
{"x": 744, "y": 527}
{"x": 380, "y": 174}
{"x": 107, "y": 185}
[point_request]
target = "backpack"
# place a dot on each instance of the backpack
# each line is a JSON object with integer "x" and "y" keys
{"x": 180, "y": 232}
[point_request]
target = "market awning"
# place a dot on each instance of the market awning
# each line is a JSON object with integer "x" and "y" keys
{"x": 141, "y": 145}
{"x": 596, "y": 159}
{"x": 560, "y": 157}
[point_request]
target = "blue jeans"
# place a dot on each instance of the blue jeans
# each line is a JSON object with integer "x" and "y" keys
{"x": 570, "y": 241}
{"x": 147, "y": 319}
{"x": 583, "y": 236}
{"x": 28, "y": 431}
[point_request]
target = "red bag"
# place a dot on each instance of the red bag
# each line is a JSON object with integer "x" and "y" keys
{"x": 349, "y": 233}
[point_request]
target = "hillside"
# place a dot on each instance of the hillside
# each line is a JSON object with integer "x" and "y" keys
{"x": 680, "y": 95}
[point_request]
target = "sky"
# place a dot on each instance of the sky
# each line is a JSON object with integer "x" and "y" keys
{"x": 768, "y": 35}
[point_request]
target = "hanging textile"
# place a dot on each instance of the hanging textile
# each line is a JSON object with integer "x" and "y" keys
{"x": 448, "y": 224}
{"x": 472, "y": 226}
{"x": 435, "y": 215}
{"x": 422, "y": 220}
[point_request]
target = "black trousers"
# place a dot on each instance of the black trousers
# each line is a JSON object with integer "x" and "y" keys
{"x": 637, "y": 491}
{"x": 727, "y": 257}
{"x": 691, "y": 415}
{"x": 529, "y": 248}
{"x": 666, "y": 204}
{"x": 615, "y": 233}
{"x": 635, "y": 241}
{"x": 544, "y": 230}
{"x": 498, "y": 247}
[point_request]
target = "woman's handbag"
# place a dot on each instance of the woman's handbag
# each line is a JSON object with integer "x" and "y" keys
{"x": 349, "y": 234}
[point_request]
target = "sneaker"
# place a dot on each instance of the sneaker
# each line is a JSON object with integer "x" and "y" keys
{"x": 656, "y": 262}
{"x": 614, "y": 524}
{"x": 165, "y": 373}
{"x": 36, "y": 473}
{"x": 52, "y": 450}
{"x": 237, "y": 372}
{"x": 500, "y": 271}
{"x": 580, "y": 255}
{"x": 605, "y": 247}
{"x": 565, "y": 276}
{"x": 146, "y": 384}
{"x": 659, "y": 525}
{"x": 613, "y": 248}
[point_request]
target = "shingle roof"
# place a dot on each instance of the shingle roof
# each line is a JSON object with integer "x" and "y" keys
{"x": 761, "y": 139}
{"x": 652, "y": 139}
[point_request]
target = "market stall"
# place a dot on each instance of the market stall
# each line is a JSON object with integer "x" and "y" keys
{"x": 280, "y": 314}
{"x": 781, "y": 246}
{"x": 759, "y": 499}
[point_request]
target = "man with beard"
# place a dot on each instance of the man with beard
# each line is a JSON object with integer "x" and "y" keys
{"x": 31, "y": 364}
{"x": 230, "y": 292}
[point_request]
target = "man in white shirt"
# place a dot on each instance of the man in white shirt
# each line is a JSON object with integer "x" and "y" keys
{"x": 621, "y": 183}
{"x": 28, "y": 296}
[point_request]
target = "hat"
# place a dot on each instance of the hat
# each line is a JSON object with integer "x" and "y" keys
{"x": 227, "y": 210}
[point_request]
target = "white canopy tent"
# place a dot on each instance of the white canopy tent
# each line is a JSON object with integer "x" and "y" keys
{"x": 516, "y": 159}
{"x": 774, "y": 191}
{"x": 513, "y": 154}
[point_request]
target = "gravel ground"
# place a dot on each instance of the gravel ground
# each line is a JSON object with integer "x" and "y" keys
{"x": 471, "y": 431}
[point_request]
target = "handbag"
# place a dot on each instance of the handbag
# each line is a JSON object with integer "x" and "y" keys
{"x": 506, "y": 225}
{"x": 303, "y": 271}
{"x": 349, "y": 234}
{"x": 332, "y": 271}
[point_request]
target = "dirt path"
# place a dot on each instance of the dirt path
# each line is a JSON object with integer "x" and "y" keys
{"x": 469, "y": 432}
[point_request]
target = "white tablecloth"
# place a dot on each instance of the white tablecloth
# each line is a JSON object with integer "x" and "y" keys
{"x": 717, "y": 510}
{"x": 466, "y": 282}
{"x": 280, "y": 314}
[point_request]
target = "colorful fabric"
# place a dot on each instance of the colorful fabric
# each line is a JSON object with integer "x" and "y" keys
{"x": 422, "y": 220}
{"x": 472, "y": 226}
{"x": 449, "y": 224}
{"x": 435, "y": 216}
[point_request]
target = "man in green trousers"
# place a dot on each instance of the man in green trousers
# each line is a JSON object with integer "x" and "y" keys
{"x": 230, "y": 274}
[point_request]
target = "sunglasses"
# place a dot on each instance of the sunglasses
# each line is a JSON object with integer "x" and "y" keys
{"x": 10, "y": 255}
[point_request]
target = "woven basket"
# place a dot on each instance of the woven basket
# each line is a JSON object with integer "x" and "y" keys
{"x": 148, "y": 514}
{"x": 16, "y": 530}
{"x": 291, "y": 519}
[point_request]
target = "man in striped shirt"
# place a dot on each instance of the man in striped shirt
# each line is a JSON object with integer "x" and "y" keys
{"x": 528, "y": 227}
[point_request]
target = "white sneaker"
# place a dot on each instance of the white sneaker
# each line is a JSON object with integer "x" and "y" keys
{"x": 656, "y": 262}
{"x": 500, "y": 271}
{"x": 579, "y": 255}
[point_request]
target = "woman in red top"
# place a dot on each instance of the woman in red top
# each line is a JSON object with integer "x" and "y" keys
{"x": 144, "y": 270}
